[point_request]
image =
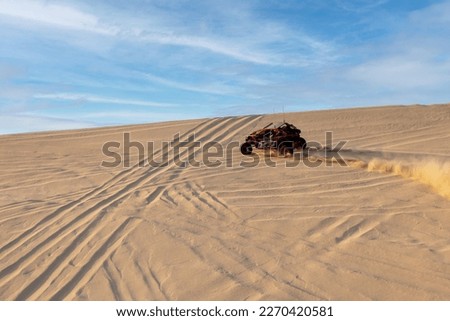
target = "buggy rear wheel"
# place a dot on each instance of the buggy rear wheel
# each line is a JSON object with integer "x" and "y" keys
{"x": 301, "y": 144}
{"x": 246, "y": 148}
{"x": 285, "y": 148}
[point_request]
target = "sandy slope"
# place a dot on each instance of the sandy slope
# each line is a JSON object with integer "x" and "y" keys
{"x": 378, "y": 229}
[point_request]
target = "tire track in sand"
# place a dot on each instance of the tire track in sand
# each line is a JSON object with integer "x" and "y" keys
{"x": 118, "y": 196}
{"x": 60, "y": 232}
{"x": 225, "y": 131}
{"x": 210, "y": 222}
{"x": 49, "y": 219}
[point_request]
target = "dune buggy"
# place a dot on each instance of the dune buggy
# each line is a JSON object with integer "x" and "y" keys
{"x": 284, "y": 138}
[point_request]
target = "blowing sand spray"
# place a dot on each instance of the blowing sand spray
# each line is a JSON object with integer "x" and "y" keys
{"x": 433, "y": 173}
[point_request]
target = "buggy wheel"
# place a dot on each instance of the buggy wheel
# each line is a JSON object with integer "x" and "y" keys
{"x": 285, "y": 148}
{"x": 246, "y": 148}
{"x": 301, "y": 144}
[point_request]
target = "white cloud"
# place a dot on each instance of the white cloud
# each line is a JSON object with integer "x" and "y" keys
{"x": 54, "y": 14}
{"x": 247, "y": 56}
{"x": 398, "y": 73}
{"x": 99, "y": 99}
{"x": 414, "y": 58}
{"x": 136, "y": 116}
{"x": 251, "y": 44}
{"x": 231, "y": 49}
{"x": 217, "y": 89}
{"x": 64, "y": 16}
{"x": 359, "y": 5}
{"x": 438, "y": 13}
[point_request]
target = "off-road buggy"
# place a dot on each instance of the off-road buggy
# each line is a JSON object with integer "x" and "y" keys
{"x": 284, "y": 138}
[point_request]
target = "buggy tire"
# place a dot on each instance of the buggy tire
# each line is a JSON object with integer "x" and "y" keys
{"x": 285, "y": 148}
{"x": 301, "y": 144}
{"x": 246, "y": 149}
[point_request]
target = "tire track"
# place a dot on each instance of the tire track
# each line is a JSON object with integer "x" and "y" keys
{"x": 61, "y": 232}
{"x": 74, "y": 204}
{"x": 223, "y": 139}
{"x": 114, "y": 276}
{"x": 46, "y": 181}
{"x": 227, "y": 258}
{"x": 96, "y": 260}
{"x": 49, "y": 220}
{"x": 83, "y": 217}
{"x": 42, "y": 282}
{"x": 83, "y": 238}
{"x": 159, "y": 190}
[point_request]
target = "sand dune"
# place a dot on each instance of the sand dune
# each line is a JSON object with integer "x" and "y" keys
{"x": 375, "y": 230}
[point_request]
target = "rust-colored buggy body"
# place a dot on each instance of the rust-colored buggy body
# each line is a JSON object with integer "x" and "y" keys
{"x": 285, "y": 138}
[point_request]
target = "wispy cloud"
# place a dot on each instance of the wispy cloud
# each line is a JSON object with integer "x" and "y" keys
{"x": 398, "y": 73}
{"x": 122, "y": 116}
{"x": 223, "y": 47}
{"x": 414, "y": 58}
{"x": 252, "y": 45}
{"x": 156, "y": 60}
{"x": 359, "y": 6}
{"x": 216, "y": 89}
{"x": 54, "y": 14}
{"x": 104, "y": 100}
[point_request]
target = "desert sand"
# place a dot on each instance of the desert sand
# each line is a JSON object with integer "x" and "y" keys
{"x": 378, "y": 229}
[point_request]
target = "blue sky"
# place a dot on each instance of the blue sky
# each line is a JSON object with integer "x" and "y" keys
{"x": 70, "y": 64}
